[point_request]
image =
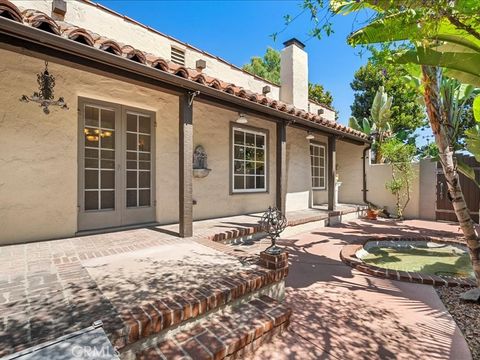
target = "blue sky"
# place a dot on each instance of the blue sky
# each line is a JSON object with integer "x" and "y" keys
{"x": 238, "y": 30}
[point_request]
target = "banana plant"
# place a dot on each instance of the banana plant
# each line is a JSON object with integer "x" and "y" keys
{"x": 449, "y": 39}
{"x": 473, "y": 134}
{"x": 378, "y": 125}
{"x": 443, "y": 35}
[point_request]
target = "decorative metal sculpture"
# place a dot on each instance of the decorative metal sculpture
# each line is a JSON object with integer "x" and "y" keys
{"x": 273, "y": 222}
{"x": 46, "y": 83}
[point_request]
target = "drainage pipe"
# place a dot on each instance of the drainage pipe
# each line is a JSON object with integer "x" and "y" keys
{"x": 364, "y": 158}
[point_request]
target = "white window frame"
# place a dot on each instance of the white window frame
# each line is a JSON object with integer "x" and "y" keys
{"x": 324, "y": 174}
{"x": 232, "y": 159}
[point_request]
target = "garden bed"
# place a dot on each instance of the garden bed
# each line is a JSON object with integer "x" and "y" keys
{"x": 465, "y": 314}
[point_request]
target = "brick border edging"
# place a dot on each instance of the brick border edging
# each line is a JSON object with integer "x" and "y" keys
{"x": 348, "y": 256}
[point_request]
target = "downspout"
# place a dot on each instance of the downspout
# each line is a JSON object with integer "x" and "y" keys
{"x": 364, "y": 158}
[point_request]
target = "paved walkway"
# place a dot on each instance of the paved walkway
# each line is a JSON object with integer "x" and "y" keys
{"x": 340, "y": 313}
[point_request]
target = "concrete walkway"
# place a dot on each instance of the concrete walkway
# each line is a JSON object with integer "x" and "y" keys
{"x": 340, "y": 313}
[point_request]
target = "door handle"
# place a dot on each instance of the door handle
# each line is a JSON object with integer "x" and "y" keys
{"x": 442, "y": 194}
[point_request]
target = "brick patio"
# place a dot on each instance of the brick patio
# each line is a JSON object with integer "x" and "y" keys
{"x": 55, "y": 287}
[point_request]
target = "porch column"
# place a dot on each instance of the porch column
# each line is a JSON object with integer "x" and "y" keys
{"x": 185, "y": 166}
{"x": 332, "y": 173}
{"x": 281, "y": 179}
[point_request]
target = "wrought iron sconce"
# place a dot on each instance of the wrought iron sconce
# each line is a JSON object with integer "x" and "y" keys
{"x": 273, "y": 222}
{"x": 46, "y": 83}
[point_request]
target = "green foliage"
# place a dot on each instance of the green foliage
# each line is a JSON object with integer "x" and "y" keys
{"x": 476, "y": 108}
{"x": 378, "y": 123}
{"x": 445, "y": 34}
{"x": 457, "y": 101}
{"x": 317, "y": 93}
{"x": 400, "y": 156}
{"x": 407, "y": 113}
{"x": 473, "y": 134}
{"x": 267, "y": 67}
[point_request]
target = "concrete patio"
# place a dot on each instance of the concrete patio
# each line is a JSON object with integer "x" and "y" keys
{"x": 341, "y": 313}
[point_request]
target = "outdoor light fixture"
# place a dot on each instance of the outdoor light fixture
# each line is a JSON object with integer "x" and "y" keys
{"x": 310, "y": 136}
{"x": 241, "y": 119}
{"x": 46, "y": 83}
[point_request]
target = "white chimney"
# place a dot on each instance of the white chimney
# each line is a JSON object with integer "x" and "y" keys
{"x": 294, "y": 74}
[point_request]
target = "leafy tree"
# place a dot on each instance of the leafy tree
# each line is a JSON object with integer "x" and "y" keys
{"x": 268, "y": 67}
{"x": 400, "y": 156}
{"x": 406, "y": 113}
{"x": 317, "y": 93}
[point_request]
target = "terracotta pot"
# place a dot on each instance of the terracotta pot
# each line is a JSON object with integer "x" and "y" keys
{"x": 372, "y": 214}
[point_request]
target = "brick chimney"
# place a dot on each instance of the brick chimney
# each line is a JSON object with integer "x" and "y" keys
{"x": 294, "y": 74}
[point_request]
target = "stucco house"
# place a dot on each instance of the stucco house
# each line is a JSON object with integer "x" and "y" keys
{"x": 153, "y": 129}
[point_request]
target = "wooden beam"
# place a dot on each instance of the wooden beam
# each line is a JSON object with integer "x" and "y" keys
{"x": 185, "y": 165}
{"x": 281, "y": 168}
{"x": 332, "y": 172}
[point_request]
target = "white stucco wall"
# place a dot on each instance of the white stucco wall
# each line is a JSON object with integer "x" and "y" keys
{"x": 428, "y": 189}
{"x": 38, "y": 152}
{"x": 349, "y": 172}
{"x": 123, "y": 30}
{"x": 213, "y": 193}
{"x": 298, "y": 195}
{"x": 327, "y": 113}
{"x": 378, "y": 175}
{"x": 38, "y": 162}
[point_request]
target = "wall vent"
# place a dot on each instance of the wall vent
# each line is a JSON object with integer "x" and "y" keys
{"x": 177, "y": 56}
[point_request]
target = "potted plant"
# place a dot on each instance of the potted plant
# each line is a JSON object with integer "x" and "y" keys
{"x": 372, "y": 212}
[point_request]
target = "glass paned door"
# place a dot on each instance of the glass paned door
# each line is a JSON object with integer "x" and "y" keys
{"x": 116, "y": 177}
{"x": 139, "y": 175}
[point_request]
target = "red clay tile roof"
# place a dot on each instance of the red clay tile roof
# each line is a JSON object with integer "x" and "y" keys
{"x": 42, "y": 21}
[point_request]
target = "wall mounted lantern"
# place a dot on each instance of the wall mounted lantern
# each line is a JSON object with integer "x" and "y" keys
{"x": 46, "y": 83}
{"x": 242, "y": 119}
{"x": 310, "y": 136}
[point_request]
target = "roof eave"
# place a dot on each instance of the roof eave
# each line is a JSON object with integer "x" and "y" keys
{"x": 25, "y": 35}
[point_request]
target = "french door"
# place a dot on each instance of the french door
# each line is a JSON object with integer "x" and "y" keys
{"x": 116, "y": 165}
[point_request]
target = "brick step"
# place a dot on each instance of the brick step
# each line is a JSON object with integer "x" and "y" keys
{"x": 232, "y": 333}
{"x": 155, "y": 316}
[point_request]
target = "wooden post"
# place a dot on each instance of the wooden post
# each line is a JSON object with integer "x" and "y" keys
{"x": 281, "y": 178}
{"x": 332, "y": 172}
{"x": 185, "y": 165}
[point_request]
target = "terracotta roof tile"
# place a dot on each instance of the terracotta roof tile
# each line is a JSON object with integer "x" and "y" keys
{"x": 108, "y": 45}
{"x": 40, "y": 20}
{"x": 43, "y": 22}
{"x": 78, "y": 34}
{"x": 10, "y": 11}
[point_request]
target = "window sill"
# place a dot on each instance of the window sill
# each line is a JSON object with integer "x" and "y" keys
{"x": 249, "y": 192}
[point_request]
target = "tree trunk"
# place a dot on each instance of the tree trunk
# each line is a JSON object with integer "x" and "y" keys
{"x": 431, "y": 82}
